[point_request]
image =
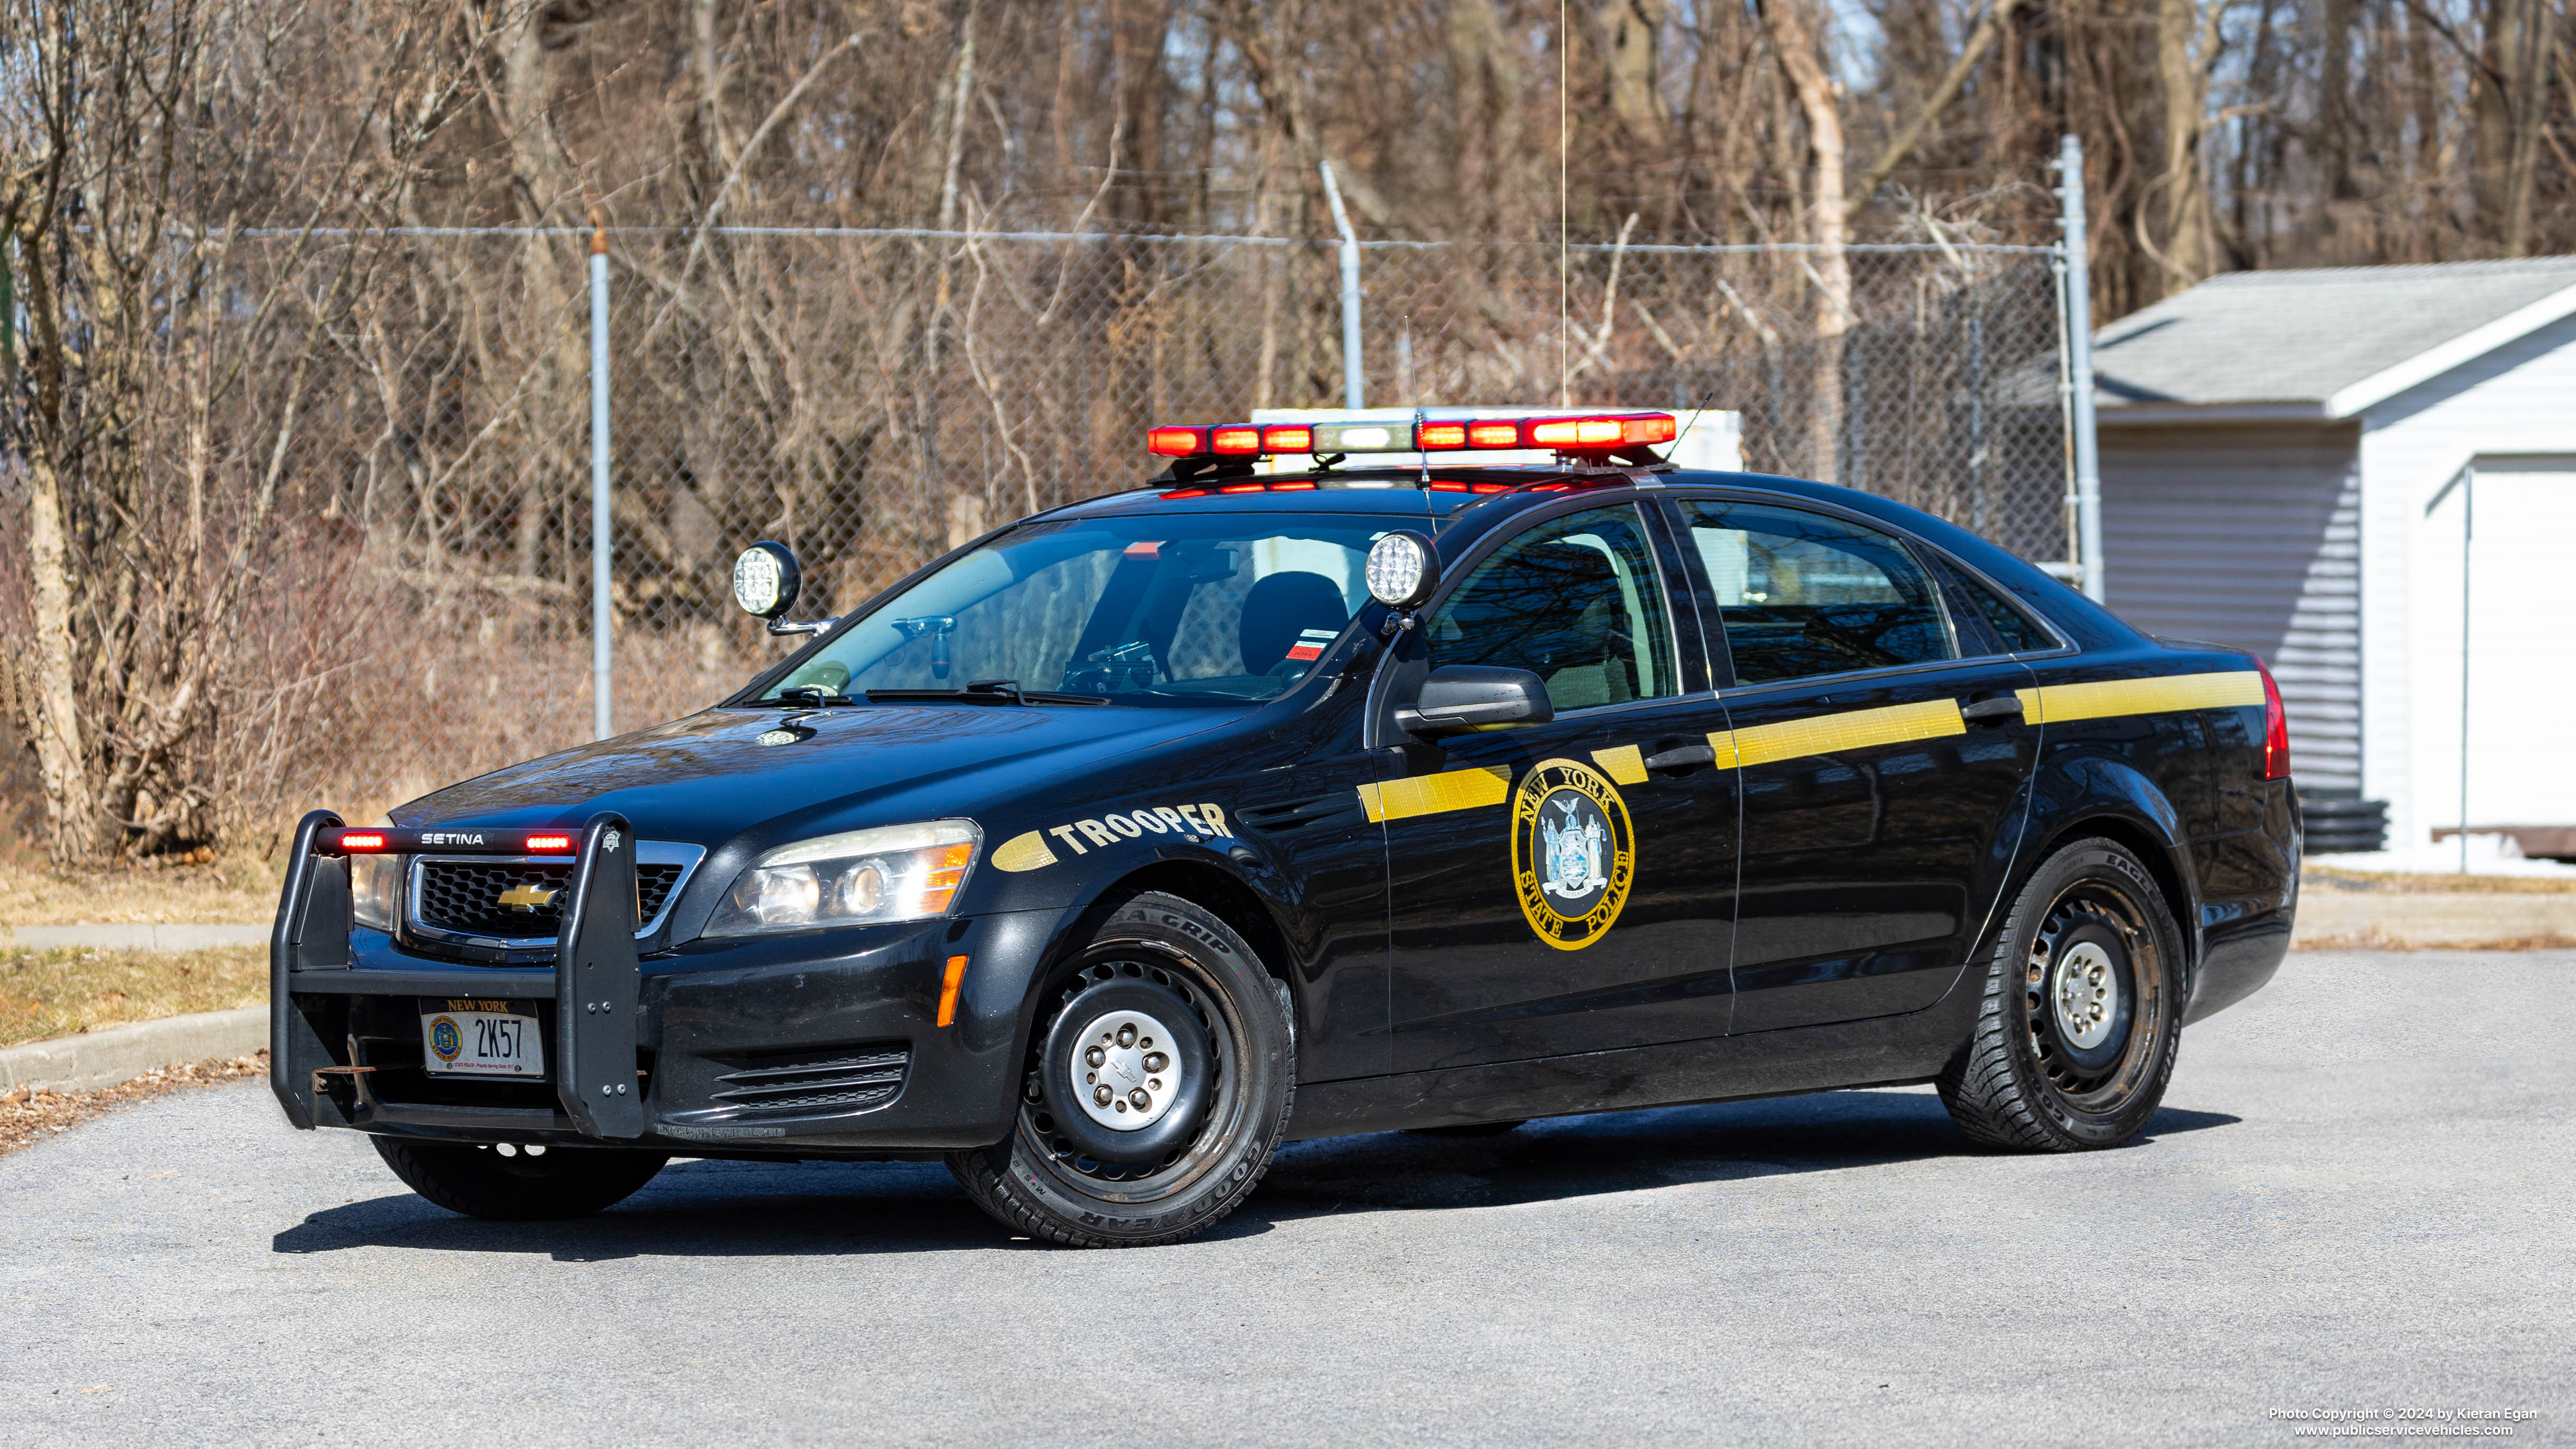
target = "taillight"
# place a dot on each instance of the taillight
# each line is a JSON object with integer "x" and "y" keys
{"x": 2276, "y": 731}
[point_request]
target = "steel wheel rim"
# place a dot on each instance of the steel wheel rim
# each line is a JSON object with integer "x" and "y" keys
{"x": 1126, "y": 1077}
{"x": 1181, "y": 1168}
{"x": 2095, "y": 1039}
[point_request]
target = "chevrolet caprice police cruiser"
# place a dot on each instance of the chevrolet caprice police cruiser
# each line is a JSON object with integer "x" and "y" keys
{"x": 1109, "y": 851}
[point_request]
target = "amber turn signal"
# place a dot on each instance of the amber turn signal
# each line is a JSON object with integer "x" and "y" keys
{"x": 953, "y": 978}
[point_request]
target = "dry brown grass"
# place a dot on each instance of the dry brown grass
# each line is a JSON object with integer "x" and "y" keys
{"x": 47, "y": 994}
{"x": 228, "y": 889}
{"x": 29, "y": 1117}
{"x": 2318, "y": 878}
{"x": 2381, "y": 941}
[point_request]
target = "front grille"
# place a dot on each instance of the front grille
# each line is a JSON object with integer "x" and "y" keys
{"x": 834, "y": 1079}
{"x": 465, "y": 895}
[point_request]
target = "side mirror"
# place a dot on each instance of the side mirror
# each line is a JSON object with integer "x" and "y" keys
{"x": 1456, "y": 698}
{"x": 766, "y": 580}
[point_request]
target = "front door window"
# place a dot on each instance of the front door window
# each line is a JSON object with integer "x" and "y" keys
{"x": 1574, "y": 600}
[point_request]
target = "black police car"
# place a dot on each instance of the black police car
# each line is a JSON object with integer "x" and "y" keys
{"x": 1109, "y": 851}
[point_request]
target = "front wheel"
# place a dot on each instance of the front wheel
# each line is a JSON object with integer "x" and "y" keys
{"x": 1160, "y": 1073}
{"x": 2082, "y": 1010}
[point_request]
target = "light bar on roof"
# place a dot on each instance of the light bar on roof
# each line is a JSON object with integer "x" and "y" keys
{"x": 1571, "y": 433}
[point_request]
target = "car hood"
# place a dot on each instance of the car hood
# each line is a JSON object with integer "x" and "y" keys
{"x": 711, "y": 777}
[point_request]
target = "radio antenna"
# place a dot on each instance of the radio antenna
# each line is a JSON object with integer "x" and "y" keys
{"x": 1564, "y": 131}
{"x": 1705, "y": 399}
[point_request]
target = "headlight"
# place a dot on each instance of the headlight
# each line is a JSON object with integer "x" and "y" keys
{"x": 375, "y": 887}
{"x": 892, "y": 873}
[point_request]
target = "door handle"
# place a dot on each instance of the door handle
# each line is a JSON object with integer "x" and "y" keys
{"x": 1680, "y": 756}
{"x": 2002, "y": 706}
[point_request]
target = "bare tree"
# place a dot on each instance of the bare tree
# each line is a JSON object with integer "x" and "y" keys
{"x": 164, "y": 385}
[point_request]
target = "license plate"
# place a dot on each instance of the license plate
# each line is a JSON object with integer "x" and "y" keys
{"x": 480, "y": 1037}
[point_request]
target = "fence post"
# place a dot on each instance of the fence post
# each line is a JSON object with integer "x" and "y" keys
{"x": 2079, "y": 344}
{"x": 1351, "y": 388}
{"x": 600, "y": 695}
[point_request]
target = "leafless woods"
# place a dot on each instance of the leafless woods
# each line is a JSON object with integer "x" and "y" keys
{"x": 286, "y": 489}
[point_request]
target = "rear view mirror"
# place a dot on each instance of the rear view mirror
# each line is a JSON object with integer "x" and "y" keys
{"x": 1459, "y": 697}
{"x": 766, "y": 580}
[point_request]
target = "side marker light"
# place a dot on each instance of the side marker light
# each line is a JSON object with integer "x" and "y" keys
{"x": 949, "y": 981}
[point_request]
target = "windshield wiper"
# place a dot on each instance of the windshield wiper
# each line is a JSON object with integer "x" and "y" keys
{"x": 984, "y": 691}
{"x": 810, "y": 696}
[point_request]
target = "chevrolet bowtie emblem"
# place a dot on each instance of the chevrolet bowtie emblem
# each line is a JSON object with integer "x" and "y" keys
{"x": 527, "y": 897}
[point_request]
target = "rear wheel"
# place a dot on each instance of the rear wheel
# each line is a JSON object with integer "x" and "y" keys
{"x": 518, "y": 1184}
{"x": 2082, "y": 1010}
{"x": 1158, "y": 1083}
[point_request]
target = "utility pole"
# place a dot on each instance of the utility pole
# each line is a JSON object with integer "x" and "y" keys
{"x": 2079, "y": 345}
{"x": 600, "y": 695}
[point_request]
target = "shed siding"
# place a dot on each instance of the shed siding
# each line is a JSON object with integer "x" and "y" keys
{"x": 2249, "y": 536}
{"x": 2516, "y": 402}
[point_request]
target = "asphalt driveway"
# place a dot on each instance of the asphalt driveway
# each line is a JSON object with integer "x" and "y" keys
{"x": 2360, "y": 1197}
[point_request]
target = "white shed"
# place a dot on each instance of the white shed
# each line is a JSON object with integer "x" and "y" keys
{"x": 2367, "y": 475}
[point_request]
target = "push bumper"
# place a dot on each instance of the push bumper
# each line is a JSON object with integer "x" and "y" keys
{"x": 819, "y": 1044}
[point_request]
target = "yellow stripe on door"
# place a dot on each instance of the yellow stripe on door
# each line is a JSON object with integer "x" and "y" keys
{"x": 1827, "y": 734}
{"x": 1625, "y": 764}
{"x": 1434, "y": 794}
{"x": 2061, "y": 703}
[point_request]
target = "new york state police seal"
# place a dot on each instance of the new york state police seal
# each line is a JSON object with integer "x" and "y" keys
{"x": 1573, "y": 852}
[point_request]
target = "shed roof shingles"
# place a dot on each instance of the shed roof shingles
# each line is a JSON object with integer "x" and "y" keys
{"x": 2303, "y": 336}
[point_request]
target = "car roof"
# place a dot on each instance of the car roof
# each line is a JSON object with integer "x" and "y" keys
{"x": 1489, "y": 493}
{"x": 1400, "y": 492}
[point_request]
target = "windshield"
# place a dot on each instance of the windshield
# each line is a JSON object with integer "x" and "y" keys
{"x": 1145, "y": 610}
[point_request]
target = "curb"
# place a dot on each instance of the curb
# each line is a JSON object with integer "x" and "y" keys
{"x": 2445, "y": 918}
{"x": 114, "y": 1054}
{"x": 134, "y": 938}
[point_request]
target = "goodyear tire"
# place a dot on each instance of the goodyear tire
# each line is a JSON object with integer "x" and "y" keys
{"x": 1161, "y": 1070}
{"x": 2082, "y": 1010}
{"x": 478, "y": 1181}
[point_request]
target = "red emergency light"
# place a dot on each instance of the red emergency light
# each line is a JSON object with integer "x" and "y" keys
{"x": 1575, "y": 434}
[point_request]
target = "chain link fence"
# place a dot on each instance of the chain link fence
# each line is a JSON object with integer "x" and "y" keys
{"x": 873, "y": 398}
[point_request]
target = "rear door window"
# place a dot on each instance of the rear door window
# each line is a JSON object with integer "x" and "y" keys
{"x": 2005, "y": 629}
{"x": 1806, "y": 594}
